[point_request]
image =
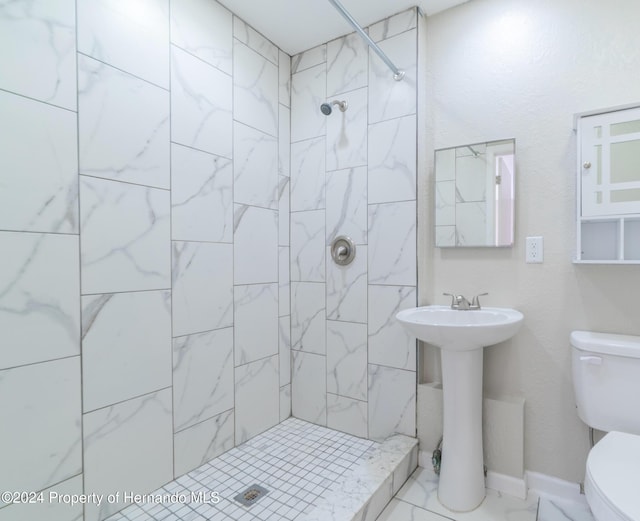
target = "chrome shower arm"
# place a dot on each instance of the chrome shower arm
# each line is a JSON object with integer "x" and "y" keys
{"x": 397, "y": 73}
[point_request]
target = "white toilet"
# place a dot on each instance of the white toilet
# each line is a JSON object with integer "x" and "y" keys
{"x": 606, "y": 378}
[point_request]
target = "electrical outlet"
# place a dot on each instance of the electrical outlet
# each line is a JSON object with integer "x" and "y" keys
{"x": 535, "y": 250}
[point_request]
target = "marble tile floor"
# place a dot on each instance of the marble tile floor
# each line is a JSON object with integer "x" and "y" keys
{"x": 417, "y": 501}
{"x": 305, "y": 466}
{"x": 295, "y": 460}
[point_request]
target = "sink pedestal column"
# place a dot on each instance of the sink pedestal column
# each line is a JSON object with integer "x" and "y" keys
{"x": 461, "y": 486}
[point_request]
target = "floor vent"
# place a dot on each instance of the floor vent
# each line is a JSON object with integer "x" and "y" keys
{"x": 252, "y": 494}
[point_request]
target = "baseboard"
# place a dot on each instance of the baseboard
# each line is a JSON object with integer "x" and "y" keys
{"x": 545, "y": 485}
{"x": 516, "y": 487}
{"x": 535, "y": 482}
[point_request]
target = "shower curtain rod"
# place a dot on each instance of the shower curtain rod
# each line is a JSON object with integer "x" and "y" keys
{"x": 397, "y": 73}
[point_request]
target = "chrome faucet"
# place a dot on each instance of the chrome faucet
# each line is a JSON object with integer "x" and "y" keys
{"x": 460, "y": 303}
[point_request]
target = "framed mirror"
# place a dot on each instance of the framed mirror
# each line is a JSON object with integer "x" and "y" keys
{"x": 474, "y": 194}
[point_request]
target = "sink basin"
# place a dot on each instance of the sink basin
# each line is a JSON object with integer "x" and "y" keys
{"x": 461, "y": 337}
{"x": 456, "y": 330}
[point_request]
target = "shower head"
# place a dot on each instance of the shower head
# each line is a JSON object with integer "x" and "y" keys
{"x": 326, "y": 107}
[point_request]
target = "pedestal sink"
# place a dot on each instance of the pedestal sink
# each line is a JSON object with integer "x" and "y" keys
{"x": 461, "y": 336}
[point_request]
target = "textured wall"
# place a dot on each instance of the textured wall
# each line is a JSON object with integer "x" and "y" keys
{"x": 354, "y": 173}
{"x": 500, "y": 69}
{"x": 144, "y": 303}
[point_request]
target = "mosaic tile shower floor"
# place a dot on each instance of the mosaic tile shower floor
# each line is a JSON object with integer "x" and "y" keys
{"x": 296, "y": 461}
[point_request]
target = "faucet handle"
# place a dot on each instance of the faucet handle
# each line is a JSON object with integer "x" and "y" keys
{"x": 453, "y": 299}
{"x": 475, "y": 302}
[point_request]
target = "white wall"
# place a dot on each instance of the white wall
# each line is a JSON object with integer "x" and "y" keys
{"x": 515, "y": 68}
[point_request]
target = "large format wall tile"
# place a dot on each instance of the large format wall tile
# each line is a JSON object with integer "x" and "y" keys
{"x": 132, "y": 35}
{"x": 40, "y": 311}
{"x": 347, "y": 132}
{"x": 51, "y": 511}
{"x": 201, "y": 196}
{"x": 389, "y": 343}
{"x": 309, "y": 387}
{"x": 284, "y": 140}
{"x": 308, "y": 246}
{"x": 204, "y": 29}
{"x": 285, "y": 402}
{"x": 204, "y": 441}
{"x": 392, "y": 160}
{"x": 394, "y": 25}
{"x": 308, "y": 331}
{"x": 202, "y": 376}
{"x": 307, "y": 174}
{"x": 40, "y": 435}
{"x": 124, "y": 126}
{"x": 347, "y": 415}
{"x": 202, "y": 287}
{"x": 347, "y": 288}
{"x": 283, "y": 211}
{"x": 284, "y": 79}
{"x": 39, "y": 190}
{"x": 284, "y": 282}
{"x": 347, "y": 64}
{"x": 126, "y": 346}
{"x": 309, "y": 58}
{"x": 347, "y": 204}
{"x": 392, "y": 244}
{"x": 257, "y": 398}
{"x": 347, "y": 359}
{"x": 201, "y": 105}
{"x": 256, "y": 322}
{"x": 392, "y": 402}
{"x": 127, "y": 447}
{"x": 389, "y": 98}
{"x": 254, "y": 40}
{"x": 308, "y": 92}
{"x": 45, "y": 32}
{"x": 255, "y": 245}
{"x": 255, "y": 170}
{"x": 125, "y": 237}
{"x": 284, "y": 333}
{"x": 255, "y": 89}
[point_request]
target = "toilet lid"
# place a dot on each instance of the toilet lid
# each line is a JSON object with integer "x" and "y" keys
{"x": 613, "y": 476}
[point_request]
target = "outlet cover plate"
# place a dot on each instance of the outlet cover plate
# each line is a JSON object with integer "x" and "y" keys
{"x": 534, "y": 250}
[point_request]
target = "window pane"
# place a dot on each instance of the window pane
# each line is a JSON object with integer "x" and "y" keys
{"x": 625, "y": 196}
{"x": 597, "y": 131}
{"x": 625, "y": 162}
{"x": 626, "y": 127}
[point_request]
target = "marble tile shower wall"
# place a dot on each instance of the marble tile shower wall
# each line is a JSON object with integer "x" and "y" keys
{"x": 354, "y": 173}
{"x": 144, "y": 269}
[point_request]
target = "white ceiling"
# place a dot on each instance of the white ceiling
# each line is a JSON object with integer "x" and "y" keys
{"x": 298, "y": 25}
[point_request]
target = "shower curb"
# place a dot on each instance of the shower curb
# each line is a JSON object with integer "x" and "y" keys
{"x": 363, "y": 492}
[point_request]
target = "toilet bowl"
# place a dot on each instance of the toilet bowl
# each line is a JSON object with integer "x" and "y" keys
{"x": 606, "y": 378}
{"x": 612, "y": 480}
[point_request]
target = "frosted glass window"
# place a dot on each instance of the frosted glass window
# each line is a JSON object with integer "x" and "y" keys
{"x": 626, "y": 127}
{"x": 597, "y": 132}
{"x": 598, "y": 149}
{"x": 625, "y": 162}
{"x": 625, "y": 196}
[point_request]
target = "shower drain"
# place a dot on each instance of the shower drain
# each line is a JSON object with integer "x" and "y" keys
{"x": 249, "y": 496}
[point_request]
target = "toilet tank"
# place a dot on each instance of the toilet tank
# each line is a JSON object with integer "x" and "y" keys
{"x": 606, "y": 379}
